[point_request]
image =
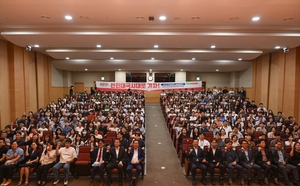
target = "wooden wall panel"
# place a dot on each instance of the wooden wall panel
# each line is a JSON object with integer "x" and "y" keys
{"x": 17, "y": 88}
{"x": 43, "y": 79}
{"x": 265, "y": 68}
{"x": 281, "y": 87}
{"x": 4, "y": 84}
{"x": 152, "y": 97}
{"x": 30, "y": 81}
{"x": 289, "y": 83}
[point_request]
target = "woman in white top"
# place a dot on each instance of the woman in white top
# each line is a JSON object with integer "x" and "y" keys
{"x": 71, "y": 135}
{"x": 235, "y": 142}
{"x": 271, "y": 133}
{"x": 77, "y": 143}
{"x": 47, "y": 161}
{"x": 97, "y": 135}
{"x": 290, "y": 142}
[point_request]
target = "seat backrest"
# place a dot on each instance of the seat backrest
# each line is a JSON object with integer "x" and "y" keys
{"x": 187, "y": 141}
{"x": 84, "y": 153}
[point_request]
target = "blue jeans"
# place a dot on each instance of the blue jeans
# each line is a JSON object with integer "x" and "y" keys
{"x": 138, "y": 170}
{"x": 59, "y": 165}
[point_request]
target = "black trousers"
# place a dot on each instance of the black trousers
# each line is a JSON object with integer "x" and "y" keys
{"x": 43, "y": 172}
{"x": 212, "y": 165}
{"x": 100, "y": 169}
{"x": 267, "y": 169}
{"x": 7, "y": 171}
{"x": 111, "y": 166}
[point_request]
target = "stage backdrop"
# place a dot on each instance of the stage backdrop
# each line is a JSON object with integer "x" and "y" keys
{"x": 117, "y": 86}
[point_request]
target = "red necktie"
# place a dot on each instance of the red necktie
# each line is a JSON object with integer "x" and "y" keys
{"x": 99, "y": 157}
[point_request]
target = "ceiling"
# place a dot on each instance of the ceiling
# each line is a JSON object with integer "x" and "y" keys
{"x": 123, "y": 30}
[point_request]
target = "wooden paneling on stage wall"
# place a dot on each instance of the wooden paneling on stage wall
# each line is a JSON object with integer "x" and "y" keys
{"x": 276, "y": 81}
{"x": 25, "y": 81}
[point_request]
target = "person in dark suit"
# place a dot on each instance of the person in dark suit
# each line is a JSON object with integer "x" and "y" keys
{"x": 214, "y": 158}
{"x": 116, "y": 157}
{"x": 99, "y": 157}
{"x": 247, "y": 161}
{"x": 243, "y": 93}
{"x": 138, "y": 138}
{"x": 280, "y": 159}
{"x": 231, "y": 162}
{"x": 262, "y": 158}
{"x": 135, "y": 156}
{"x": 197, "y": 159}
{"x": 123, "y": 141}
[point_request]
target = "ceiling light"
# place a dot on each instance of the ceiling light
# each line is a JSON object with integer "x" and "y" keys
{"x": 67, "y": 58}
{"x": 181, "y": 70}
{"x": 212, "y": 46}
{"x": 98, "y": 46}
{"x": 277, "y": 47}
{"x": 86, "y": 69}
{"x": 152, "y": 58}
{"x": 119, "y": 69}
{"x": 155, "y": 46}
{"x": 162, "y": 18}
{"x": 240, "y": 59}
{"x": 36, "y": 46}
{"x": 68, "y": 17}
{"x": 111, "y": 58}
{"x": 217, "y": 70}
{"x": 193, "y": 58}
{"x": 255, "y": 18}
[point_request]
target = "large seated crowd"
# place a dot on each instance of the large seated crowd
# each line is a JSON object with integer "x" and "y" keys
{"x": 99, "y": 132}
{"x": 221, "y": 131}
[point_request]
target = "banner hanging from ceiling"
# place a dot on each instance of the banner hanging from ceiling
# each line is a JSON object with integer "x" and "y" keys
{"x": 119, "y": 86}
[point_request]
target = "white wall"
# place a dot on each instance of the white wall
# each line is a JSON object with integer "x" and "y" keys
{"x": 120, "y": 76}
{"x": 245, "y": 77}
{"x": 234, "y": 79}
{"x": 180, "y": 76}
{"x": 88, "y": 78}
{"x": 219, "y": 79}
{"x": 57, "y": 77}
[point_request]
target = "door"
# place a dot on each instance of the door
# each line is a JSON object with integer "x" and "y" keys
{"x": 78, "y": 87}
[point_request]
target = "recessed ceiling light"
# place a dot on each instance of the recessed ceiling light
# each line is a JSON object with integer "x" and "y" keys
{"x": 86, "y": 69}
{"x": 212, "y": 46}
{"x": 155, "y": 46}
{"x": 36, "y": 46}
{"x": 98, "y": 46}
{"x": 277, "y": 47}
{"x": 255, "y": 18}
{"x": 68, "y": 17}
{"x": 119, "y": 69}
{"x": 181, "y": 70}
{"x": 111, "y": 58}
{"x": 193, "y": 58}
{"x": 152, "y": 58}
{"x": 217, "y": 70}
{"x": 67, "y": 58}
{"x": 240, "y": 59}
{"x": 162, "y": 18}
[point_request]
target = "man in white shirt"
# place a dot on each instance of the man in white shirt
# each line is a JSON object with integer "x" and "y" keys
{"x": 203, "y": 142}
{"x": 227, "y": 128}
{"x": 135, "y": 157}
{"x": 67, "y": 155}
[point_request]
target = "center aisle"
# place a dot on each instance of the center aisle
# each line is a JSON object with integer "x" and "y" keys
{"x": 160, "y": 155}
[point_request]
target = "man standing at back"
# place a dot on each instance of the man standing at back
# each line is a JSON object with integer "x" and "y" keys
{"x": 117, "y": 157}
